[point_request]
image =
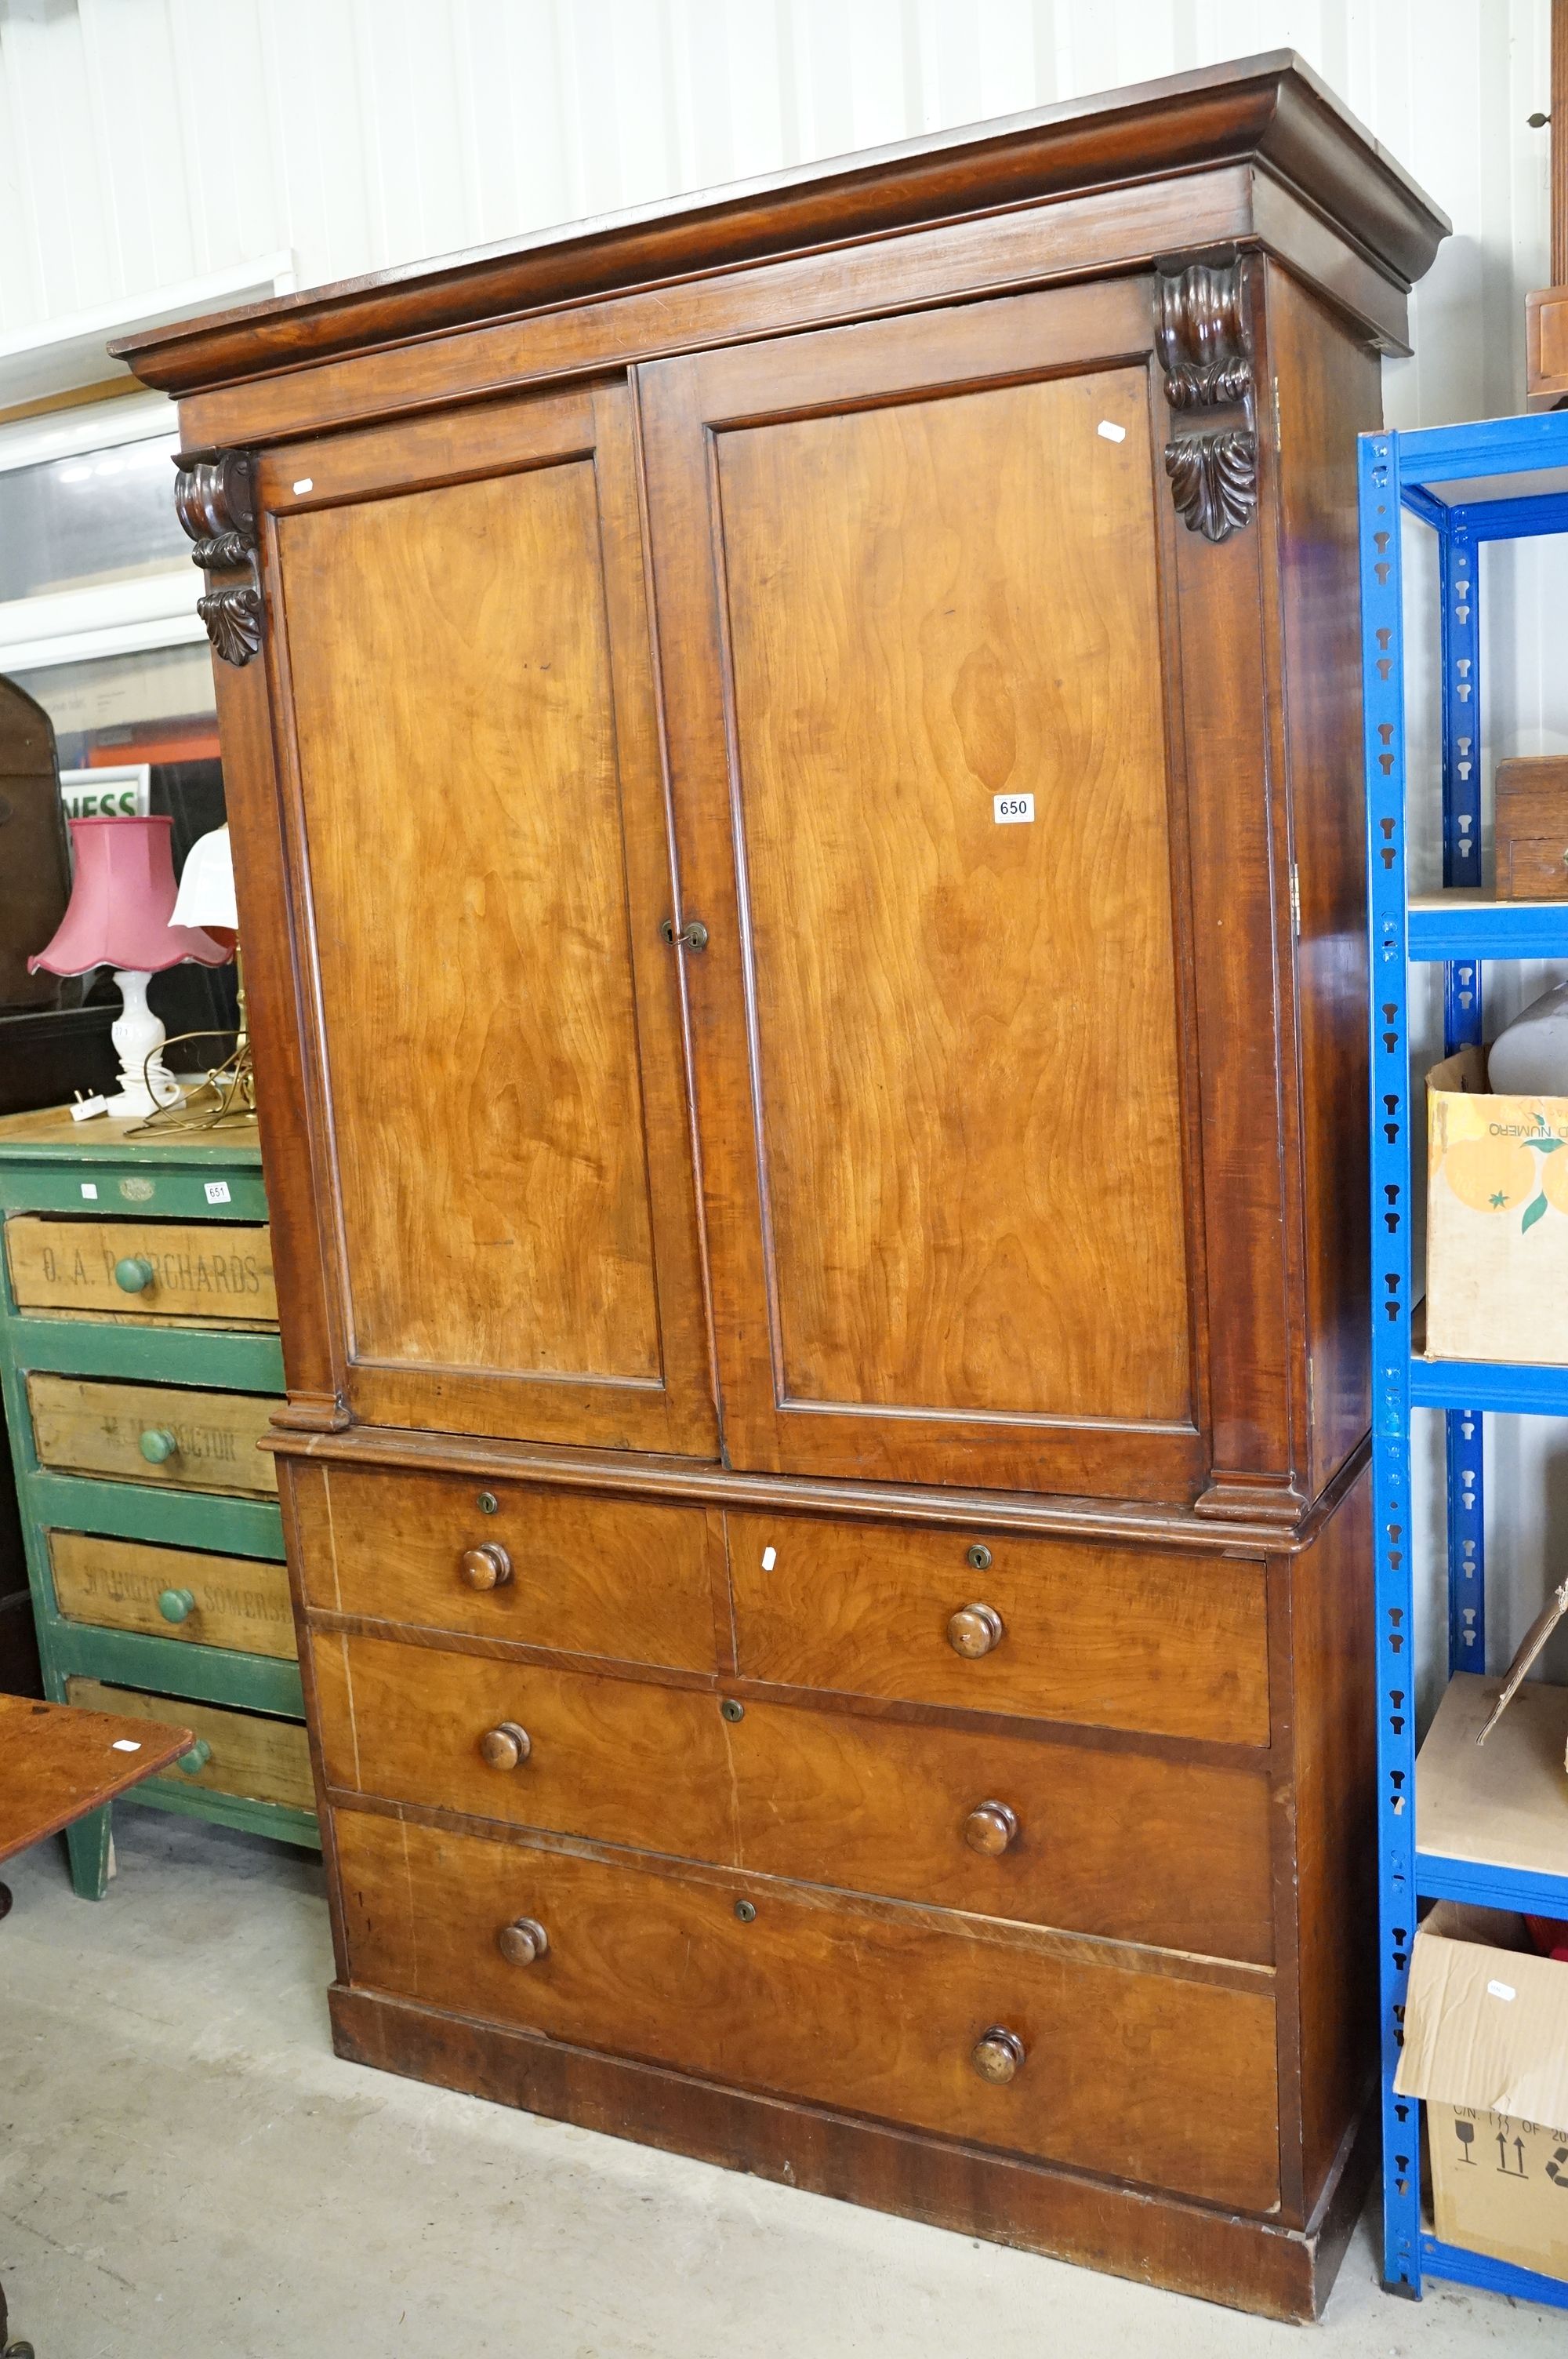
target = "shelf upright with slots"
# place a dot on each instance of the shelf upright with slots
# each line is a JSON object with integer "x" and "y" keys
{"x": 1501, "y": 479}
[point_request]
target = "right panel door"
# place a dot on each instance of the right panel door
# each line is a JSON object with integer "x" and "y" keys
{"x": 909, "y": 595}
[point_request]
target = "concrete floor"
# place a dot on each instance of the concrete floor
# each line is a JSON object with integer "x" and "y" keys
{"x": 188, "y": 2172}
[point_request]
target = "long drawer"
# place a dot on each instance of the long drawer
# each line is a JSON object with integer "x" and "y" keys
{"x": 1115, "y": 1637}
{"x": 237, "y": 1601}
{"x": 623, "y": 1578}
{"x": 200, "y": 1270}
{"x": 1151, "y": 2076}
{"x": 246, "y": 1755}
{"x": 1107, "y": 1841}
{"x": 170, "y": 1435}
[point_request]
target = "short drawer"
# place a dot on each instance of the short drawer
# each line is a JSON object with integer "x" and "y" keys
{"x": 618, "y": 1578}
{"x": 168, "y": 1434}
{"x": 238, "y": 1602}
{"x": 202, "y": 1271}
{"x": 1156, "y": 2076}
{"x": 243, "y": 1754}
{"x": 1110, "y": 1637}
{"x": 1176, "y": 1853}
{"x": 571, "y": 1751}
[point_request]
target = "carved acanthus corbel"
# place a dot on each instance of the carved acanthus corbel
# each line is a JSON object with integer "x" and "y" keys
{"x": 214, "y": 498}
{"x": 1206, "y": 351}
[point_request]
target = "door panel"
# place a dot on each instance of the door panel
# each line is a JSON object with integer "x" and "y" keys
{"x": 908, "y": 577}
{"x": 485, "y": 844}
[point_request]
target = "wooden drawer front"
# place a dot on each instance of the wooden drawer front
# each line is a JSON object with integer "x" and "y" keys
{"x": 1110, "y": 1638}
{"x": 1172, "y": 1852}
{"x": 238, "y": 1602}
{"x": 250, "y": 1757}
{"x": 612, "y": 1759}
{"x": 167, "y": 1269}
{"x": 871, "y": 2011}
{"x": 111, "y": 1428}
{"x": 593, "y": 1576}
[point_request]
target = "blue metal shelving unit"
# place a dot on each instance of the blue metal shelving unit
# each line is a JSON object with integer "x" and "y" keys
{"x": 1503, "y": 479}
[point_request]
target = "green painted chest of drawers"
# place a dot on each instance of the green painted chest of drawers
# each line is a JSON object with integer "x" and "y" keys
{"x": 139, "y": 1360}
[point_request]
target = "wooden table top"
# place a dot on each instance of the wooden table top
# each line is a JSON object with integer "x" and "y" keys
{"x": 52, "y": 1129}
{"x": 58, "y": 1763}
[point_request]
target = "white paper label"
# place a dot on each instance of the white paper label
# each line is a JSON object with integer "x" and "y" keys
{"x": 770, "y": 1558}
{"x": 1501, "y": 1990}
{"x": 1012, "y": 810}
{"x": 126, "y": 1744}
{"x": 90, "y": 1189}
{"x": 217, "y": 1191}
{"x": 1107, "y": 427}
{"x": 305, "y": 483}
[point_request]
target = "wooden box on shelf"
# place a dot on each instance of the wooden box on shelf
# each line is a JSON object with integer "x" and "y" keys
{"x": 1530, "y": 827}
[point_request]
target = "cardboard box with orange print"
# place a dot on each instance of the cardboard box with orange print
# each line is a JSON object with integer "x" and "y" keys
{"x": 1497, "y": 1219}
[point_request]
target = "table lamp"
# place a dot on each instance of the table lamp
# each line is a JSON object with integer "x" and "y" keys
{"x": 118, "y": 915}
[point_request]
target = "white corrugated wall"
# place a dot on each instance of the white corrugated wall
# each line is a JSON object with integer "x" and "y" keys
{"x": 147, "y": 142}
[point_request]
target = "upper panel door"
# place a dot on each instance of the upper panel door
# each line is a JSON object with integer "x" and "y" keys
{"x": 480, "y": 835}
{"x": 908, "y": 582}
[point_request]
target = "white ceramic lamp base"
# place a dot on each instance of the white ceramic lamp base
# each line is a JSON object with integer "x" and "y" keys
{"x": 138, "y": 1036}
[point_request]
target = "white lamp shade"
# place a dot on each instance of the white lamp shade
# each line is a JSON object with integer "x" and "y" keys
{"x": 206, "y": 896}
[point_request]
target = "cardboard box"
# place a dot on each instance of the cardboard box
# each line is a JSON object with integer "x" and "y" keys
{"x": 1497, "y": 1219}
{"x": 1486, "y": 2047}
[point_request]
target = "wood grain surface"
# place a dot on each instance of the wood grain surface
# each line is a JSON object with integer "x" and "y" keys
{"x": 484, "y": 832}
{"x": 625, "y": 1578}
{"x": 966, "y": 1032}
{"x": 615, "y": 1760}
{"x": 96, "y": 1429}
{"x": 919, "y": 1026}
{"x": 58, "y": 1763}
{"x": 199, "y": 1269}
{"x": 254, "y": 1757}
{"x": 1174, "y": 1853}
{"x": 1146, "y": 2077}
{"x": 240, "y": 1602}
{"x": 1109, "y": 1638}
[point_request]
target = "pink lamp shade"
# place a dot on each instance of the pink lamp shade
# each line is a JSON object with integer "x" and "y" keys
{"x": 121, "y": 904}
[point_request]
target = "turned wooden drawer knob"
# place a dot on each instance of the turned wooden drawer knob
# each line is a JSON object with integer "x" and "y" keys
{"x": 506, "y": 1746}
{"x": 998, "y": 2056}
{"x": 134, "y": 1273}
{"x": 525, "y": 1941}
{"x": 177, "y": 1604}
{"x": 990, "y": 1828}
{"x": 158, "y": 1445}
{"x": 974, "y": 1630}
{"x": 485, "y": 1567}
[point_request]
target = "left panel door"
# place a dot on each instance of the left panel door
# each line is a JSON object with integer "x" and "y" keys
{"x": 474, "y": 796}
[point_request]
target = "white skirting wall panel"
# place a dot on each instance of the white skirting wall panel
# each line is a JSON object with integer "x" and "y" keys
{"x": 145, "y": 142}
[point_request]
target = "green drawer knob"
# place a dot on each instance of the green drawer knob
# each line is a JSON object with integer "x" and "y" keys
{"x": 195, "y": 1760}
{"x": 134, "y": 1275}
{"x": 175, "y": 1604}
{"x": 158, "y": 1445}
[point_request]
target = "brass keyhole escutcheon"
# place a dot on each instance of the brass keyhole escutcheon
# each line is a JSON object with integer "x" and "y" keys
{"x": 990, "y": 1828}
{"x": 975, "y": 1630}
{"x": 998, "y": 2056}
{"x": 523, "y": 1942}
{"x": 978, "y": 1556}
{"x": 692, "y": 935}
{"x": 485, "y": 1567}
{"x": 506, "y": 1746}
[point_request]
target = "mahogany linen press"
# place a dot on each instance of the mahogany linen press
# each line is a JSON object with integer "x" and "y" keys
{"x": 794, "y": 760}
